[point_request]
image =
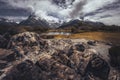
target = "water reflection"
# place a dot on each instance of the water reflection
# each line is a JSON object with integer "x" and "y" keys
{"x": 58, "y": 33}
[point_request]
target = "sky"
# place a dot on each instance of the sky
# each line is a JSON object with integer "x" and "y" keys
{"x": 106, "y": 11}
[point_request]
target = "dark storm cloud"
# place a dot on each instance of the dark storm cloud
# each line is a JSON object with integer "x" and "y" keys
{"x": 9, "y": 10}
{"x": 4, "y": 5}
{"x": 14, "y": 12}
{"x": 112, "y": 6}
{"x": 107, "y": 11}
{"x": 105, "y": 16}
{"x": 77, "y": 8}
{"x": 59, "y": 2}
{"x": 62, "y": 3}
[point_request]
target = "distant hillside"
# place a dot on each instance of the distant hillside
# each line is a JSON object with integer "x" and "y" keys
{"x": 6, "y": 25}
{"x": 81, "y": 24}
{"x": 36, "y": 24}
{"x": 32, "y": 24}
{"x": 5, "y": 22}
{"x": 77, "y": 25}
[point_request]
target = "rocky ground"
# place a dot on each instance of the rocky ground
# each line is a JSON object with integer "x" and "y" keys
{"x": 26, "y": 56}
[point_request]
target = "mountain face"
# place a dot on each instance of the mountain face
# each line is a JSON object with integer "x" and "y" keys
{"x": 54, "y": 24}
{"x": 35, "y": 22}
{"x": 97, "y": 24}
{"x": 71, "y": 24}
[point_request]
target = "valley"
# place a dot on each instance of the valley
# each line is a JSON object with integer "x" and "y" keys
{"x": 110, "y": 37}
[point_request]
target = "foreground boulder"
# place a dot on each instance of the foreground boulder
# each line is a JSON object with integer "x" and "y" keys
{"x": 56, "y": 59}
{"x": 98, "y": 68}
{"x": 24, "y": 39}
{"x": 23, "y": 71}
{"x": 93, "y": 43}
{"x": 59, "y": 66}
{"x": 27, "y": 42}
{"x": 44, "y": 69}
{"x": 55, "y": 70}
{"x": 114, "y": 53}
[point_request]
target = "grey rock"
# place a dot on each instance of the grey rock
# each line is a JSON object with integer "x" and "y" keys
{"x": 99, "y": 68}
{"x": 93, "y": 43}
{"x": 114, "y": 53}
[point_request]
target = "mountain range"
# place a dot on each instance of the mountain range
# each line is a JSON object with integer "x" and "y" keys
{"x": 33, "y": 20}
{"x": 36, "y": 23}
{"x": 79, "y": 24}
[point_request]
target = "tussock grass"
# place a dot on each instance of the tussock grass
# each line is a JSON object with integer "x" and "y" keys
{"x": 113, "y": 37}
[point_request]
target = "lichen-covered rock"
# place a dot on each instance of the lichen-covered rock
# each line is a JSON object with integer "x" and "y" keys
{"x": 85, "y": 65}
{"x": 7, "y": 55}
{"x": 26, "y": 43}
{"x": 3, "y": 42}
{"x": 3, "y": 64}
{"x": 79, "y": 47}
{"x": 23, "y": 71}
{"x": 93, "y": 43}
{"x": 114, "y": 74}
{"x": 24, "y": 39}
{"x": 44, "y": 69}
{"x": 82, "y": 60}
{"x": 55, "y": 70}
{"x": 31, "y": 58}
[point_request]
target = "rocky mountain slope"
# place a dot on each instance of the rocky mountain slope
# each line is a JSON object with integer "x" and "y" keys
{"x": 78, "y": 25}
{"x": 34, "y": 21}
{"x": 28, "y": 57}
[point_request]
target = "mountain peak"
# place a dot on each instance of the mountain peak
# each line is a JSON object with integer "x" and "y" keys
{"x": 33, "y": 20}
{"x": 33, "y": 16}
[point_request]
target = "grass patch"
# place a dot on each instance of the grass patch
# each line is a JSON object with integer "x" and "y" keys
{"x": 113, "y": 37}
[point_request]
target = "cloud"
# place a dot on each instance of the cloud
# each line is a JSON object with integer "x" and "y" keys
{"x": 63, "y": 10}
{"x": 109, "y": 13}
{"x": 77, "y": 7}
{"x": 113, "y": 20}
{"x": 113, "y": 5}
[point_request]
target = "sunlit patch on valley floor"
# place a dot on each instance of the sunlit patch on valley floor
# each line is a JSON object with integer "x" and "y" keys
{"x": 113, "y": 37}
